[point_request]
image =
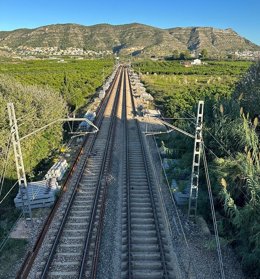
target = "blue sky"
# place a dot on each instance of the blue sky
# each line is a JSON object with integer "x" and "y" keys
{"x": 242, "y": 16}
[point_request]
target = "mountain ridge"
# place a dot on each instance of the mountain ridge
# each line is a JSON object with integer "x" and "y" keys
{"x": 131, "y": 38}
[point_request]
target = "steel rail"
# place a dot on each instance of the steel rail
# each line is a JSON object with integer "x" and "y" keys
{"x": 100, "y": 224}
{"x": 126, "y": 138}
{"x": 101, "y": 181}
{"x": 71, "y": 200}
{"x": 31, "y": 256}
{"x": 156, "y": 221}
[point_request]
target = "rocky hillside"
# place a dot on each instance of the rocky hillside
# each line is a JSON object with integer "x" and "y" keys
{"x": 212, "y": 39}
{"x": 132, "y": 39}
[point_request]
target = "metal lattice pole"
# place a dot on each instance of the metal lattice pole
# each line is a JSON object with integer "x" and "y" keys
{"x": 196, "y": 163}
{"x": 23, "y": 189}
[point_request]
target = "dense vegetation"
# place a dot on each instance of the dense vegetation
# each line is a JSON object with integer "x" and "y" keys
{"x": 76, "y": 80}
{"x": 35, "y": 107}
{"x": 177, "y": 88}
{"x": 215, "y": 68}
{"x": 42, "y": 91}
{"x": 230, "y": 135}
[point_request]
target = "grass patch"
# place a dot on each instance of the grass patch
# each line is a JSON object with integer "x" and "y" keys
{"x": 11, "y": 256}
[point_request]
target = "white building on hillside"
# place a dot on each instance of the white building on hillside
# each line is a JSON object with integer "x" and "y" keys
{"x": 196, "y": 62}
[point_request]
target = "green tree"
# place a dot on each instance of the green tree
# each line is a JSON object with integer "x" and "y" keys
{"x": 184, "y": 55}
{"x": 204, "y": 53}
{"x": 175, "y": 54}
{"x": 247, "y": 91}
{"x": 35, "y": 106}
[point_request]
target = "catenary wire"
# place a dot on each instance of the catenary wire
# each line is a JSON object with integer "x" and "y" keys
{"x": 221, "y": 266}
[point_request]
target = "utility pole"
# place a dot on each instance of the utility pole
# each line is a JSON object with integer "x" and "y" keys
{"x": 23, "y": 189}
{"x": 194, "y": 186}
{"x": 22, "y": 182}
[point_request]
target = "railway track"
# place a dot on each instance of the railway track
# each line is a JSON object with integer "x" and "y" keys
{"x": 145, "y": 247}
{"x": 73, "y": 251}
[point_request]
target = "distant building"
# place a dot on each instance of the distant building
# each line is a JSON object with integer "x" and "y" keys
{"x": 196, "y": 62}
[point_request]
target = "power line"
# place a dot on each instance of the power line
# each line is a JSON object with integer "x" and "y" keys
{"x": 221, "y": 266}
{"x": 4, "y": 242}
{"x": 29, "y": 116}
{"x": 175, "y": 207}
{"x": 189, "y": 115}
{"x": 211, "y": 151}
{"x": 8, "y": 192}
{"x": 190, "y": 118}
{"x": 212, "y": 211}
{"x": 177, "y": 118}
{"x": 5, "y": 164}
{"x": 229, "y": 154}
{"x": 219, "y": 143}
